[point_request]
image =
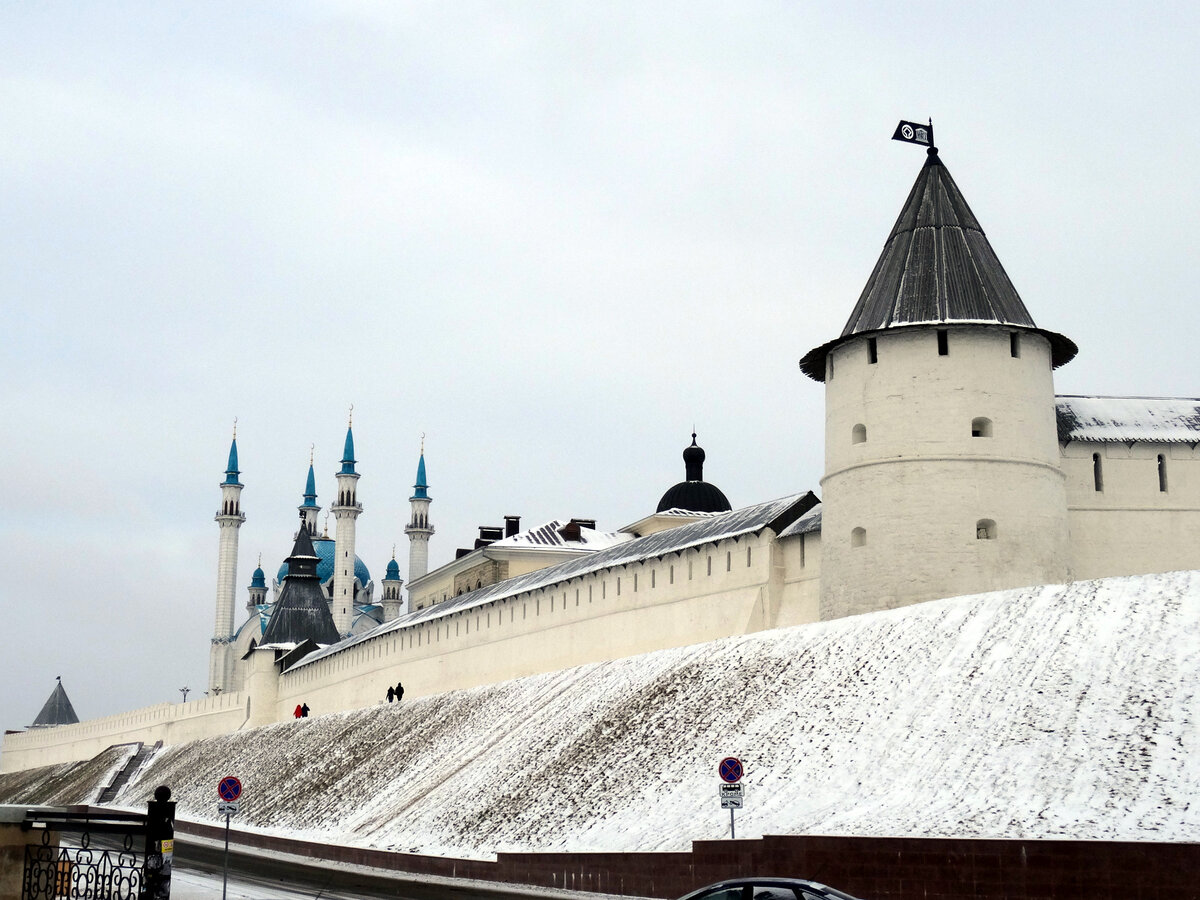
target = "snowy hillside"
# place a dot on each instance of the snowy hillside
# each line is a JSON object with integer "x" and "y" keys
{"x": 1055, "y": 711}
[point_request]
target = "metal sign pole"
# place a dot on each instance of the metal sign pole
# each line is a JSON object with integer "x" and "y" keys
{"x": 732, "y": 833}
{"x": 225, "y": 871}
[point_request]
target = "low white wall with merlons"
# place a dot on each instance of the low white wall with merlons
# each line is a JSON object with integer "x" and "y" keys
{"x": 171, "y": 723}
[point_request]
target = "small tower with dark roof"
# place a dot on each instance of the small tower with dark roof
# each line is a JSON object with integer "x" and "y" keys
{"x": 229, "y": 519}
{"x": 57, "y": 710}
{"x": 392, "y": 600}
{"x": 419, "y": 528}
{"x": 345, "y": 511}
{"x": 301, "y": 614}
{"x": 694, "y": 493}
{"x": 942, "y": 473}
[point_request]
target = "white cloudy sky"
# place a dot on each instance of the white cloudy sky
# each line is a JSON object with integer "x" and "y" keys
{"x": 551, "y": 236}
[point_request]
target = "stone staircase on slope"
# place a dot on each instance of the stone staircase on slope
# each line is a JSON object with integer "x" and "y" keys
{"x": 130, "y": 768}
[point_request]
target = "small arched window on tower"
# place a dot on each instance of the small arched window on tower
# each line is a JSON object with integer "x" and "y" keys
{"x": 943, "y": 338}
{"x": 981, "y": 427}
{"x": 1097, "y": 472}
{"x": 859, "y": 434}
{"x": 1162, "y": 473}
{"x": 858, "y": 537}
{"x": 985, "y": 530}
{"x": 1014, "y": 344}
{"x": 872, "y": 352}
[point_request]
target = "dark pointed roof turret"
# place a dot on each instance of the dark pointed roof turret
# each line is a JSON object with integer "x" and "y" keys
{"x": 937, "y": 268}
{"x": 694, "y": 493}
{"x": 57, "y": 709}
{"x": 302, "y": 612}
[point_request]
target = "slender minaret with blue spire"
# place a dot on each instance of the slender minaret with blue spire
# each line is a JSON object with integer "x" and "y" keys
{"x": 393, "y": 603}
{"x": 346, "y": 511}
{"x": 229, "y": 519}
{"x": 309, "y": 509}
{"x": 257, "y": 589}
{"x": 419, "y": 528}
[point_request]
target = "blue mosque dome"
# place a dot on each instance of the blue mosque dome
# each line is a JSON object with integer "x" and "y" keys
{"x": 258, "y": 579}
{"x": 393, "y": 571}
{"x": 325, "y": 551}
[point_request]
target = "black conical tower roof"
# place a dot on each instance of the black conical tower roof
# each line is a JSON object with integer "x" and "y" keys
{"x": 937, "y": 268}
{"x": 57, "y": 710}
{"x": 302, "y": 613}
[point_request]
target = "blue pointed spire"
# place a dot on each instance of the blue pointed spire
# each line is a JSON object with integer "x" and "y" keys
{"x": 421, "y": 485}
{"x": 231, "y": 470}
{"x": 348, "y": 453}
{"x": 310, "y": 489}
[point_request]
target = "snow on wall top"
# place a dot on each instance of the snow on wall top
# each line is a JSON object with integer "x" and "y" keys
{"x": 549, "y": 534}
{"x": 1045, "y": 712}
{"x": 733, "y": 524}
{"x": 1155, "y": 419}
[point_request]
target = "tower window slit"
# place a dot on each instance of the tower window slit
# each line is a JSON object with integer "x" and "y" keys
{"x": 1014, "y": 344}
{"x": 1097, "y": 472}
{"x": 872, "y": 354}
{"x": 859, "y": 434}
{"x": 1162, "y": 473}
{"x": 943, "y": 339}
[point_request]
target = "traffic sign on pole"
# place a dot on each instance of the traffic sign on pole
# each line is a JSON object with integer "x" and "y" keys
{"x": 230, "y": 788}
{"x": 730, "y": 770}
{"x": 732, "y": 796}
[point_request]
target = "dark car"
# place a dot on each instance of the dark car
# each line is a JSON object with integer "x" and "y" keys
{"x": 767, "y": 889}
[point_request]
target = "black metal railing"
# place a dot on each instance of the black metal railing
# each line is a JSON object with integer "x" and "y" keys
{"x": 85, "y": 872}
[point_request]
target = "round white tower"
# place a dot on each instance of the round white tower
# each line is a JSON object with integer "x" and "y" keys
{"x": 346, "y": 511}
{"x": 229, "y": 519}
{"x": 942, "y": 472}
{"x": 419, "y": 529}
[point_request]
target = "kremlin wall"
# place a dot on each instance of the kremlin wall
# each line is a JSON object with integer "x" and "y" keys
{"x": 951, "y": 468}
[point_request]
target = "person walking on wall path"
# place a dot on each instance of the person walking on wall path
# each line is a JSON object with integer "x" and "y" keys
{"x": 399, "y": 691}
{"x": 298, "y": 713}
{"x": 391, "y": 693}
{"x": 304, "y": 711}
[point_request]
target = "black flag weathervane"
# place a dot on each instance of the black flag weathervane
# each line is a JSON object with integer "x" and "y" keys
{"x": 914, "y": 133}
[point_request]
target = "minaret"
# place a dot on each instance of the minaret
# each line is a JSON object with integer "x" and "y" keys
{"x": 309, "y": 509}
{"x": 392, "y": 602}
{"x": 419, "y": 529}
{"x": 346, "y": 511}
{"x": 257, "y": 589}
{"x": 229, "y": 519}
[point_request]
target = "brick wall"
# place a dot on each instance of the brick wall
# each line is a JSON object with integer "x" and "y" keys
{"x": 872, "y": 868}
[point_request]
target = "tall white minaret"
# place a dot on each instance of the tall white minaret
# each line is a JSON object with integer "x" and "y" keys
{"x": 419, "y": 528}
{"x": 346, "y": 511}
{"x": 229, "y": 519}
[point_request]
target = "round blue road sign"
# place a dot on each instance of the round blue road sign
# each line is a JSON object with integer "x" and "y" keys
{"x": 730, "y": 769}
{"x": 230, "y": 788}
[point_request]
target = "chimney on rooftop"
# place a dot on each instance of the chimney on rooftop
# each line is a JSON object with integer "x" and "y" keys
{"x": 512, "y": 525}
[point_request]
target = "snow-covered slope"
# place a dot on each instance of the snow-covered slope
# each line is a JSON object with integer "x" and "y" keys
{"x": 1053, "y": 711}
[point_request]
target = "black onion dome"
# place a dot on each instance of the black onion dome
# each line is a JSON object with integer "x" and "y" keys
{"x": 695, "y": 494}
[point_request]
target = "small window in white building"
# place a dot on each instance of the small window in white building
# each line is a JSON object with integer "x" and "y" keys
{"x": 872, "y": 351}
{"x": 943, "y": 342}
{"x": 653, "y": 579}
{"x": 709, "y": 572}
{"x": 985, "y": 530}
{"x": 1162, "y": 473}
{"x": 1014, "y": 344}
{"x": 748, "y": 549}
{"x": 858, "y": 537}
{"x": 728, "y": 560}
{"x": 671, "y": 575}
{"x": 859, "y": 434}
{"x": 1097, "y": 472}
{"x": 981, "y": 427}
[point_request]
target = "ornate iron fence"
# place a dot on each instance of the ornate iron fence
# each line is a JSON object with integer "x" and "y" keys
{"x": 84, "y": 872}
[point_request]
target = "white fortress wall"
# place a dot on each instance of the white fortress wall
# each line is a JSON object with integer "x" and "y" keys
{"x": 799, "y": 560}
{"x": 171, "y": 723}
{"x": 696, "y": 595}
{"x": 1143, "y": 516}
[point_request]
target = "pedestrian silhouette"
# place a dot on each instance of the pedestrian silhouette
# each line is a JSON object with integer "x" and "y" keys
{"x": 399, "y": 691}
{"x": 304, "y": 711}
{"x": 391, "y": 694}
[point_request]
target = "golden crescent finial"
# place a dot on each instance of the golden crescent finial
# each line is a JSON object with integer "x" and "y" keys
{"x": 393, "y": 551}
{"x": 260, "y": 559}
{"x": 235, "y": 428}
{"x": 312, "y": 448}
{"x": 351, "y": 420}
{"x": 422, "y": 443}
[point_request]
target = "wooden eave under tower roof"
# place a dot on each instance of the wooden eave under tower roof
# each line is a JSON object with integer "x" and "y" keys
{"x": 937, "y": 268}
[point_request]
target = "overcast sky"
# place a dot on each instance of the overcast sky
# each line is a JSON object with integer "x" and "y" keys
{"x": 549, "y": 236}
